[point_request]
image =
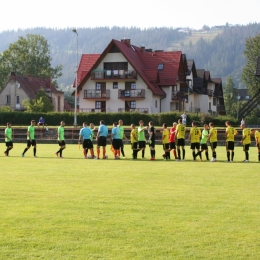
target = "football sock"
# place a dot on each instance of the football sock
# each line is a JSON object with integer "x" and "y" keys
{"x": 183, "y": 154}
{"x": 207, "y": 155}
{"x": 34, "y": 151}
{"x": 179, "y": 153}
{"x": 232, "y": 155}
{"x": 247, "y": 155}
{"x": 142, "y": 153}
{"x": 25, "y": 150}
{"x": 122, "y": 151}
{"x": 194, "y": 155}
{"x": 228, "y": 156}
{"x": 175, "y": 154}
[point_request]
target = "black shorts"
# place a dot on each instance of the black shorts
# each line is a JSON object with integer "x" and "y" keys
{"x": 102, "y": 141}
{"x": 152, "y": 143}
{"x": 214, "y": 145}
{"x": 116, "y": 143}
{"x": 87, "y": 144}
{"x": 166, "y": 146}
{"x": 141, "y": 144}
{"x": 246, "y": 147}
{"x": 181, "y": 142}
{"x": 203, "y": 146}
{"x": 134, "y": 145}
{"x": 32, "y": 142}
{"x": 195, "y": 146}
{"x": 121, "y": 143}
{"x": 172, "y": 145}
{"x": 61, "y": 143}
{"x": 230, "y": 145}
{"x": 8, "y": 144}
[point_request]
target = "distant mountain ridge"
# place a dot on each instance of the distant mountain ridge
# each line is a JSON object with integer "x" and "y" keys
{"x": 220, "y": 53}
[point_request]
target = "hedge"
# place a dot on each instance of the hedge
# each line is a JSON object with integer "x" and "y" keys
{"x": 24, "y": 118}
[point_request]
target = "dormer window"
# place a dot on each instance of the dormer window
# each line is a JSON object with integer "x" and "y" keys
{"x": 160, "y": 66}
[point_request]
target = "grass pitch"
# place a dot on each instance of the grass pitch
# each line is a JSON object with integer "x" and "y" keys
{"x": 74, "y": 208}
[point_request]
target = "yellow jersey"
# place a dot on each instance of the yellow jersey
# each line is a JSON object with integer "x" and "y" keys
{"x": 134, "y": 135}
{"x": 195, "y": 135}
{"x": 257, "y": 137}
{"x": 180, "y": 131}
{"x": 230, "y": 134}
{"x": 213, "y": 135}
{"x": 246, "y": 136}
{"x": 165, "y": 136}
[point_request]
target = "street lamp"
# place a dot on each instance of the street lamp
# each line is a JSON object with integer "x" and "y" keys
{"x": 76, "y": 87}
{"x": 238, "y": 98}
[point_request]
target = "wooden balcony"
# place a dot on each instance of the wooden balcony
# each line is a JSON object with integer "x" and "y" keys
{"x": 113, "y": 74}
{"x": 97, "y": 94}
{"x": 207, "y": 91}
{"x": 139, "y": 110}
{"x": 133, "y": 93}
{"x": 218, "y": 94}
{"x": 178, "y": 95}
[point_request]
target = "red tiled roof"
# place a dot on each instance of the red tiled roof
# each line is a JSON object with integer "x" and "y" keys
{"x": 67, "y": 106}
{"x": 145, "y": 63}
{"x": 32, "y": 85}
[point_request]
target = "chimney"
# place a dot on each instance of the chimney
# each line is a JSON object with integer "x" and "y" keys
{"x": 142, "y": 49}
{"x": 126, "y": 41}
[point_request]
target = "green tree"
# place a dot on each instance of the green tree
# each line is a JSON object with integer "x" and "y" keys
{"x": 41, "y": 103}
{"x": 252, "y": 52}
{"x": 28, "y": 56}
{"x": 230, "y": 96}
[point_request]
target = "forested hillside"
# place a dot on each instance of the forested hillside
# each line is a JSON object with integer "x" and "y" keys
{"x": 221, "y": 54}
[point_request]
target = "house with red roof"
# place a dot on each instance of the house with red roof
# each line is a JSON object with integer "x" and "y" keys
{"x": 19, "y": 88}
{"x": 125, "y": 77}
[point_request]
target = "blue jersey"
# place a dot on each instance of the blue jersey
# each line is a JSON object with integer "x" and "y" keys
{"x": 115, "y": 132}
{"x": 103, "y": 131}
{"x": 85, "y": 133}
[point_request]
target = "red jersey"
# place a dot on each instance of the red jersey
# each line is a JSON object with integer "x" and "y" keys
{"x": 172, "y": 135}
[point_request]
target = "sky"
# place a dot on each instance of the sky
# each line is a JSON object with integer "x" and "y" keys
{"x": 57, "y": 14}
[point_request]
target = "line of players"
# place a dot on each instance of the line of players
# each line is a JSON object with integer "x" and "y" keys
{"x": 170, "y": 138}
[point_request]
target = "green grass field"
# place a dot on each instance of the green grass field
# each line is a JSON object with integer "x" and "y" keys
{"x": 74, "y": 208}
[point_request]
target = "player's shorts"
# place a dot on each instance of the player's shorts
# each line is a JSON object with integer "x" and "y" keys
{"x": 116, "y": 143}
{"x": 29, "y": 143}
{"x": 151, "y": 143}
{"x": 181, "y": 142}
{"x": 230, "y": 145}
{"x": 87, "y": 144}
{"x": 203, "y": 146}
{"x": 195, "y": 146}
{"x": 40, "y": 123}
{"x": 8, "y": 144}
{"x": 172, "y": 145}
{"x": 134, "y": 146}
{"x": 166, "y": 146}
{"x": 246, "y": 147}
{"x": 213, "y": 145}
{"x": 102, "y": 141}
{"x": 141, "y": 144}
{"x": 121, "y": 142}
{"x": 61, "y": 143}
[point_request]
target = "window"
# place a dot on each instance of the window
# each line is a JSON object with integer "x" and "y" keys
{"x": 132, "y": 104}
{"x": 8, "y": 99}
{"x": 98, "y": 105}
{"x": 160, "y": 66}
{"x": 115, "y": 85}
{"x": 156, "y": 103}
{"x": 17, "y": 99}
{"x": 214, "y": 101}
{"x": 115, "y": 65}
{"x": 133, "y": 85}
{"x": 130, "y": 85}
{"x": 209, "y": 105}
{"x": 98, "y": 86}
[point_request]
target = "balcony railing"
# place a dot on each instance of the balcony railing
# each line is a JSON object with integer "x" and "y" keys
{"x": 178, "y": 95}
{"x": 133, "y": 93}
{"x": 97, "y": 94}
{"x": 139, "y": 110}
{"x": 113, "y": 74}
{"x": 207, "y": 91}
{"x": 218, "y": 94}
{"x": 90, "y": 110}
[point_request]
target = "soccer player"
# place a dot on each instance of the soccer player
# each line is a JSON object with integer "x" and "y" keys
{"x": 102, "y": 139}
{"x": 30, "y": 139}
{"x": 92, "y": 128}
{"x": 194, "y": 138}
{"x": 122, "y": 136}
{"x": 134, "y": 141}
{"x": 8, "y": 139}
{"x": 246, "y": 141}
{"x": 172, "y": 139}
{"x": 204, "y": 140}
{"x": 230, "y": 141}
{"x": 116, "y": 140}
{"x": 180, "y": 134}
{"x": 213, "y": 139}
{"x": 85, "y": 134}
{"x": 141, "y": 137}
{"x": 151, "y": 140}
{"x": 257, "y": 143}
{"x": 165, "y": 142}
{"x": 61, "y": 139}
